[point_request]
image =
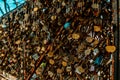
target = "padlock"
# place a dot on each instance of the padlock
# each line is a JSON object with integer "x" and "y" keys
{"x": 4, "y": 26}
{"x": 98, "y": 60}
{"x": 51, "y": 61}
{"x": 59, "y": 71}
{"x": 53, "y": 17}
{"x": 89, "y": 39}
{"x": 58, "y": 10}
{"x": 18, "y": 42}
{"x": 43, "y": 48}
{"x": 110, "y": 48}
{"x": 75, "y": 36}
{"x": 67, "y": 25}
{"x": 87, "y": 52}
{"x": 92, "y": 68}
{"x": 1, "y": 31}
{"x": 96, "y": 51}
{"x": 19, "y": 49}
{"x": 35, "y": 56}
{"x": 79, "y": 70}
{"x": 81, "y": 47}
{"x": 50, "y": 73}
{"x": 64, "y": 63}
{"x": 50, "y": 54}
{"x": 68, "y": 69}
{"x": 63, "y": 3}
{"x": 97, "y": 28}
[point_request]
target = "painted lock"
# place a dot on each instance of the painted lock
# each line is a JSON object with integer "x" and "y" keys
{"x": 110, "y": 49}
{"x": 97, "y": 28}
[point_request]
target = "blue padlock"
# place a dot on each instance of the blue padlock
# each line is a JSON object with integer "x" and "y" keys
{"x": 66, "y": 25}
{"x": 98, "y": 60}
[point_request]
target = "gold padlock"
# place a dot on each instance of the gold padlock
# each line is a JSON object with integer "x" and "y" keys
{"x": 64, "y": 63}
{"x": 97, "y": 28}
{"x": 51, "y": 61}
{"x": 110, "y": 49}
{"x": 53, "y": 17}
{"x": 50, "y": 54}
{"x": 36, "y": 9}
{"x": 18, "y": 42}
{"x": 75, "y": 36}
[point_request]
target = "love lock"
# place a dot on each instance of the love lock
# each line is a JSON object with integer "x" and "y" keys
{"x": 19, "y": 49}
{"x": 1, "y": 31}
{"x": 81, "y": 47}
{"x": 89, "y": 39}
{"x": 79, "y": 70}
{"x": 4, "y": 26}
{"x": 88, "y": 51}
{"x": 68, "y": 68}
{"x": 92, "y": 68}
{"x": 1, "y": 55}
{"x": 51, "y": 61}
{"x": 35, "y": 56}
{"x": 35, "y": 9}
{"x": 64, "y": 63}
{"x": 95, "y": 51}
{"x": 58, "y": 10}
{"x": 67, "y": 25}
{"x": 53, "y": 17}
{"x": 18, "y": 42}
{"x": 50, "y": 54}
{"x": 97, "y": 28}
{"x": 110, "y": 49}
{"x": 63, "y": 3}
{"x": 50, "y": 73}
{"x": 98, "y": 60}
{"x": 59, "y": 71}
{"x": 75, "y": 36}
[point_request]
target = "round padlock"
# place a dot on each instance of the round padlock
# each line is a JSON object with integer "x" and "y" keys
{"x": 53, "y": 17}
{"x": 59, "y": 71}
{"x": 64, "y": 63}
{"x": 51, "y": 61}
{"x": 75, "y": 36}
{"x": 110, "y": 49}
{"x": 89, "y": 39}
{"x": 79, "y": 70}
{"x": 50, "y": 54}
{"x": 18, "y": 42}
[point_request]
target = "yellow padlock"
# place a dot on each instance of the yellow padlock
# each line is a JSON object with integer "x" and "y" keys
{"x": 110, "y": 49}
{"x": 97, "y": 28}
